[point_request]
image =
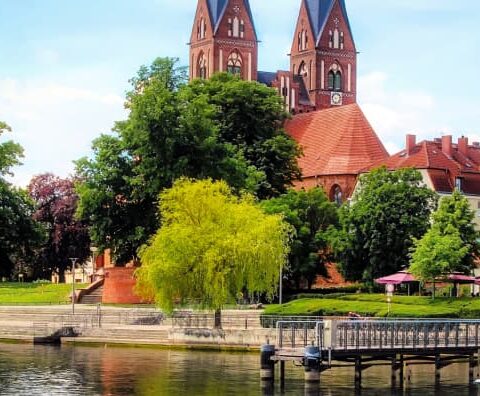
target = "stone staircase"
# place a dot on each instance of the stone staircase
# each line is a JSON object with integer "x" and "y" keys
{"x": 94, "y": 297}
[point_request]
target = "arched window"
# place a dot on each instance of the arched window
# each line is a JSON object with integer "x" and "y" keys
{"x": 338, "y": 81}
{"x": 202, "y": 66}
{"x": 302, "y": 70}
{"x": 236, "y": 27}
{"x": 234, "y": 63}
{"x": 331, "y": 80}
{"x": 336, "y": 195}
{"x": 201, "y": 29}
{"x": 336, "y": 39}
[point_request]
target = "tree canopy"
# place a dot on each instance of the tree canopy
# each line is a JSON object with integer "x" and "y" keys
{"x": 389, "y": 210}
{"x": 55, "y": 207}
{"x": 311, "y": 214}
{"x": 223, "y": 128}
{"x": 19, "y": 233}
{"x": 212, "y": 246}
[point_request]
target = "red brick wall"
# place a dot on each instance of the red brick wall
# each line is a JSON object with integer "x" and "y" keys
{"x": 119, "y": 287}
{"x": 346, "y": 183}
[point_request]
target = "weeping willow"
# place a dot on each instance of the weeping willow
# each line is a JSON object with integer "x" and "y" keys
{"x": 211, "y": 247}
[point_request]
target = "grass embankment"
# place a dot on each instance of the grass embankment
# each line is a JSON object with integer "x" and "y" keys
{"x": 32, "y": 293}
{"x": 375, "y": 305}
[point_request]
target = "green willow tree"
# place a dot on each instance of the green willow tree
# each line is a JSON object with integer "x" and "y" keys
{"x": 223, "y": 128}
{"x": 212, "y": 246}
{"x": 311, "y": 214}
{"x": 377, "y": 230}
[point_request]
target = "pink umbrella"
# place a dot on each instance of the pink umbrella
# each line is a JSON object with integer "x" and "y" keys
{"x": 396, "y": 279}
{"x": 458, "y": 277}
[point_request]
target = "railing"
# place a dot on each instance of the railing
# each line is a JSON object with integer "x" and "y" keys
{"x": 379, "y": 335}
{"x": 299, "y": 334}
{"x": 416, "y": 335}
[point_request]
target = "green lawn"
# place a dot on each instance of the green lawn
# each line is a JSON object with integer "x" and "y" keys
{"x": 31, "y": 293}
{"x": 376, "y": 305}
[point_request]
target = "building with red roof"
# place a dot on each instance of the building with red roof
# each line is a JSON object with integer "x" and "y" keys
{"x": 445, "y": 165}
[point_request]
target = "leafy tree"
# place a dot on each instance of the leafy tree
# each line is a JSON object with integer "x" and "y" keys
{"x": 224, "y": 129}
{"x": 19, "y": 233}
{"x": 212, "y": 246}
{"x": 455, "y": 211}
{"x": 55, "y": 207}
{"x": 439, "y": 252}
{"x": 10, "y": 152}
{"x": 311, "y": 214}
{"x": 377, "y": 230}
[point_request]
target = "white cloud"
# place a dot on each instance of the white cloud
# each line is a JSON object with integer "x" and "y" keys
{"x": 55, "y": 123}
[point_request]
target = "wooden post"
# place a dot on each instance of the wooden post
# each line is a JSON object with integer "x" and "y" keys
{"x": 358, "y": 372}
{"x": 472, "y": 363}
{"x": 402, "y": 364}
{"x": 394, "y": 371}
{"x": 437, "y": 369}
{"x": 282, "y": 374}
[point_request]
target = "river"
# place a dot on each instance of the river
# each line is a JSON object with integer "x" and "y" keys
{"x": 67, "y": 370}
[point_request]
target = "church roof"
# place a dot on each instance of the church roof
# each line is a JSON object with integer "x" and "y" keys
{"x": 217, "y": 9}
{"x": 335, "y": 141}
{"x": 319, "y": 11}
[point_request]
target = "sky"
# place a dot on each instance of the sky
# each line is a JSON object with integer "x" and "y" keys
{"x": 65, "y": 66}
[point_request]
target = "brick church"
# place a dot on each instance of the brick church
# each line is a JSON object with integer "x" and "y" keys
{"x": 320, "y": 89}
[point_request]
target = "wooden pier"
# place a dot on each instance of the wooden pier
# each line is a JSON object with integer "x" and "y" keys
{"x": 324, "y": 345}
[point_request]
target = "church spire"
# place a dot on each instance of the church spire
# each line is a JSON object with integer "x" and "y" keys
{"x": 323, "y": 53}
{"x": 223, "y": 39}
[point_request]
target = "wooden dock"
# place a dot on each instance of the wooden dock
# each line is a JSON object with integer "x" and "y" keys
{"x": 327, "y": 344}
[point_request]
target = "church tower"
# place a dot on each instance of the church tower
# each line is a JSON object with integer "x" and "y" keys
{"x": 323, "y": 55}
{"x": 223, "y": 39}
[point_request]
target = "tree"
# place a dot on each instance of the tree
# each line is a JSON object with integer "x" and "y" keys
{"x": 211, "y": 247}
{"x": 437, "y": 253}
{"x": 455, "y": 211}
{"x": 19, "y": 233}
{"x": 311, "y": 214}
{"x": 377, "y": 230}
{"x": 55, "y": 207}
{"x": 224, "y": 129}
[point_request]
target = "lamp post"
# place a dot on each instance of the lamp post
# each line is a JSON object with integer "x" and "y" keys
{"x": 73, "y": 260}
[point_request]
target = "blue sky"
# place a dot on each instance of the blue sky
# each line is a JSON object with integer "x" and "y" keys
{"x": 65, "y": 65}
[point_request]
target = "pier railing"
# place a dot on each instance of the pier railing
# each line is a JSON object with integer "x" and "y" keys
{"x": 379, "y": 335}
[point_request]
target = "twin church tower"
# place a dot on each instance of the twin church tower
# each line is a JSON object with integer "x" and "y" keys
{"x": 323, "y": 58}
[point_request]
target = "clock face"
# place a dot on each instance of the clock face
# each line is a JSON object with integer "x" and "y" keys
{"x": 336, "y": 98}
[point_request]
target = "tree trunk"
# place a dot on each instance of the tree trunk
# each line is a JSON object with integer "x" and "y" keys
{"x": 218, "y": 319}
{"x": 433, "y": 292}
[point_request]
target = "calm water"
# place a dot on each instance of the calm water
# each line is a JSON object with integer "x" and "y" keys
{"x": 29, "y": 370}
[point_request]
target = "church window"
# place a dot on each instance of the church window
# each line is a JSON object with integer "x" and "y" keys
{"x": 337, "y": 85}
{"x": 202, "y": 66}
{"x": 336, "y": 39}
{"x": 299, "y": 41}
{"x": 302, "y": 40}
{"x": 242, "y": 29}
{"x": 336, "y": 195}
{"x": 330, "y": 39}
{"x": 234, "y": 64}
{"x": 342, "y": 40}
{"x": 201, "y": 29}
{"x": 230, "y": 27}
{"x": 331, "y": 80}
{"x": 236, "y": 27}
{"x": 302, "y": 70}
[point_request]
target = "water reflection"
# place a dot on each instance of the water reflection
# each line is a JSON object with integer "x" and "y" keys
{"x": 29, "y": 370}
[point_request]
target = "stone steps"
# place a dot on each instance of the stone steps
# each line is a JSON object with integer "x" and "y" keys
{"x": 95, "y": 297}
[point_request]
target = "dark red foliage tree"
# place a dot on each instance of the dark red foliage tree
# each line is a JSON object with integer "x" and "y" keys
{"x": 56, "y": 204}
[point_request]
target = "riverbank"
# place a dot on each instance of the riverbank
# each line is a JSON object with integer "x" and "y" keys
{"x": 375, "y": 305}
{"x": 242, "y": 330}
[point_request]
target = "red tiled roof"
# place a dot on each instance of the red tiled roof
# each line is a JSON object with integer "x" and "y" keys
{"x": 442, "y": 168}
{"x": 336, "y": 141}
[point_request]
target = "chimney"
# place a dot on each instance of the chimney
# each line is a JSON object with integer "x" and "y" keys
{"x": 411, "y": 143}
{"x": 447, "y": 145}
{"x": 463, "y": 146}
